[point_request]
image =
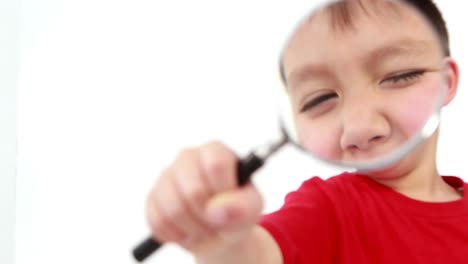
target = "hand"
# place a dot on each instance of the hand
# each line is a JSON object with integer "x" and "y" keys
{"x": 197, "y": 203}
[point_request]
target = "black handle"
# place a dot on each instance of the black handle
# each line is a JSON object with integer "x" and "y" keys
{"x": 145, "y": 248}
{"x": 246, "y": 167}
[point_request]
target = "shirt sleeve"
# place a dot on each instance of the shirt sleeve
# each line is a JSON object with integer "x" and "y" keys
{"x": 303, "y": 226}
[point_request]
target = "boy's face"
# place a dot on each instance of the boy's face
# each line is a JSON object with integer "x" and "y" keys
{"x": 360, "y": 91}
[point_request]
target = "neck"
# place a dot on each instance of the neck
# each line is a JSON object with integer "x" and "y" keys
{"x": 423, "y": 181}
{"x": 424, "y": 185}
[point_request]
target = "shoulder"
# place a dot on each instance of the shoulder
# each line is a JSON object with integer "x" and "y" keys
{"x": 307, "y": 225}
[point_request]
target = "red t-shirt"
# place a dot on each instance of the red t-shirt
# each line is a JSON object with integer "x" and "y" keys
{"x": 350, "y": 218}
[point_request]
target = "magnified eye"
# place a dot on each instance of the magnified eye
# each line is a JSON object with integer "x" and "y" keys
{"x": 318, "y": 101}
{"x": 404, "y": 78}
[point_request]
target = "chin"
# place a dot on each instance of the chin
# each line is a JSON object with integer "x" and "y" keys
{"x": 396, "y": 170}
{"x": 391, "y": 172}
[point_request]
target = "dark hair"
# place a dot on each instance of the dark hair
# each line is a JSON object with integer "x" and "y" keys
{"x": 433, "y": 15}
{"x": 340, "y": 13}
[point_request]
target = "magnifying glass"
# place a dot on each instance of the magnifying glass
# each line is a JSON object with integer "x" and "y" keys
{"x": 358, "y": 92}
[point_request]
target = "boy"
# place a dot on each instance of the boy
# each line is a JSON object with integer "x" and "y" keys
{"x": 406, "y": 213}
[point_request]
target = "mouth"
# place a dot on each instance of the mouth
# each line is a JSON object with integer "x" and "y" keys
{"x": 374, "y": 153}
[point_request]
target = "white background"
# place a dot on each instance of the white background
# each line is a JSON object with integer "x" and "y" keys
{"x": 109, "y": 91}
{"x": 9, "y": 55}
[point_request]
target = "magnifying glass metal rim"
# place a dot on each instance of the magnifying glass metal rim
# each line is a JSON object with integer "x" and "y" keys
{"x": 394, "y": 156}
{"x": 388, "y": 159}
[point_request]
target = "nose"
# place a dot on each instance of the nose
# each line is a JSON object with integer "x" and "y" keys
{"x": 363, "y": 128}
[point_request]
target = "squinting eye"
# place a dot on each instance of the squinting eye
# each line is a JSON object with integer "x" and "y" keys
{"x": 317, "y": 101}
{"x": 405, "y": 77}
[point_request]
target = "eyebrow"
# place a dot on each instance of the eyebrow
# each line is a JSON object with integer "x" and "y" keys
{"x": 404, "y": 47}
{"x": 399, "y": 48}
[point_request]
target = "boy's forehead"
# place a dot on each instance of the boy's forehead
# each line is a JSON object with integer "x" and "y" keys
{"x": 341, "y": 15}
{"x": 358, "y": 24}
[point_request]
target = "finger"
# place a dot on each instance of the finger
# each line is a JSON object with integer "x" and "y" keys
{"x": 219, "y": 166}
{"x": 161, "y": 228}
{"x": 234, "y": 210}
{"x": 190, "y": 184}
{"x": 173, "y": 208}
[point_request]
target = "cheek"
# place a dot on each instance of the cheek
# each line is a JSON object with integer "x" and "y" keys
{"x": 412, "y": 110}
{"x": 321, "y": 138}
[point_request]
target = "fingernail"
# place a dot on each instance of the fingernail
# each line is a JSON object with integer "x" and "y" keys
{"x": 217, "y": 216}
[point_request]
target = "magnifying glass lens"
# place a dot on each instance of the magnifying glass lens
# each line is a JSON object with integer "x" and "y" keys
{"x": 361, "y": 82}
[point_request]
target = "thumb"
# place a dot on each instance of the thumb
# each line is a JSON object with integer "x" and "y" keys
{"x": 235, "y": 209}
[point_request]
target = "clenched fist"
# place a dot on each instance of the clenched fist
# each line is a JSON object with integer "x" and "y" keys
{"x": 198, "y": 204}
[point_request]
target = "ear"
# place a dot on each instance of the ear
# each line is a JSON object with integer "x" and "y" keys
{"x": 453, "y": 76}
